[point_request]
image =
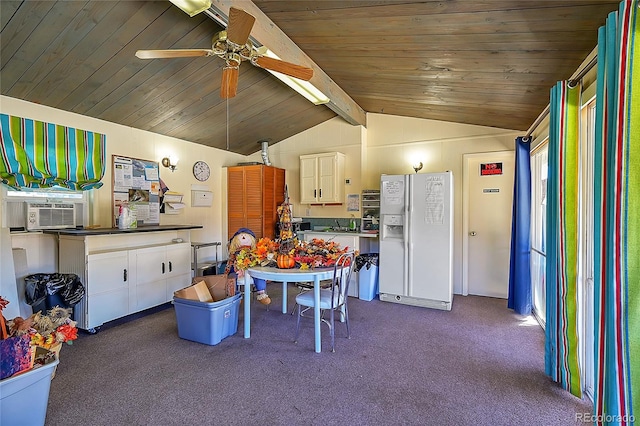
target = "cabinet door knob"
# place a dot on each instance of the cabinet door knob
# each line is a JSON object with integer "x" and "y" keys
{"x": 125, "y": 275}
{"x": 170, "y": 267}
{"x": 320, "y": 192}
{"x": 314, "y": 193}
{"x": 163, "y": 267}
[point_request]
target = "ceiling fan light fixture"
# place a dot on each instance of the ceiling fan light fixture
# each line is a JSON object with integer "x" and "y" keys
{"x": 192, "y": 7}
{"x": 305, "y": 88}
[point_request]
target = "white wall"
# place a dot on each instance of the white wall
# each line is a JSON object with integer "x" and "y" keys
{"x": 388, "y": 145}
{"x": 395, "y": 143}
{"x": 330, "y": 136}
{"x": 130, "y": 142}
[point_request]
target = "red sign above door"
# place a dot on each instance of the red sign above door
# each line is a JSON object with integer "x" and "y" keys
{"x": 487, "y": 169}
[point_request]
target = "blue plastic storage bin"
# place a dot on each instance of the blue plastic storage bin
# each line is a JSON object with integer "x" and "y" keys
{"x": 207, "y": 322}
{"x": 24, "y": 397}
{"x": 367, "y": 264}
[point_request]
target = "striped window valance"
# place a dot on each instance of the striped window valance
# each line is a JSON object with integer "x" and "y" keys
{"x": 35, "y": 154}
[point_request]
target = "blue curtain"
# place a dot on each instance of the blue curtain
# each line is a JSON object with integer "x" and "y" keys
{"x": 520, "y": 264}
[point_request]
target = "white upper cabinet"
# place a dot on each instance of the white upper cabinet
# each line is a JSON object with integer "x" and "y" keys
{"x": 322, "y": 178}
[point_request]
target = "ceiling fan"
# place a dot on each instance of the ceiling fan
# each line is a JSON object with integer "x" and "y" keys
{"x": 233, "y": 45}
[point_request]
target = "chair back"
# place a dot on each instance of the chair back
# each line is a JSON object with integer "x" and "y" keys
{"x": 342, "y": 271}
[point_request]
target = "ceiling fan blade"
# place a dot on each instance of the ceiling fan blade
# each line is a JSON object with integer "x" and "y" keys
{"x": 240, "y": 24}
{"x": 173, "y": 53}
{"x": 293, "y": 70}
{"x": 229, "y": 85}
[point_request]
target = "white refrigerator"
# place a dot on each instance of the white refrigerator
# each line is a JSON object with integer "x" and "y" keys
{"x": 416, "y": 239}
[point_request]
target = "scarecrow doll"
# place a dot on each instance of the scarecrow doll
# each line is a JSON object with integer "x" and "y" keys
{"x": 245, "y": 239}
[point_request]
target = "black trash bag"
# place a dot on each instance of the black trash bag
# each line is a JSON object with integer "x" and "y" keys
{"x": 35, "y": 289}
{"x": 39, "y": 286}
{"x": 73, "y": 291}
{"x": 366, "y": 259}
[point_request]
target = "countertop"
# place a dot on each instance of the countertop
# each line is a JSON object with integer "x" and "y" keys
{"x": 107, "y": 231}
{"x": 362, "y": 234}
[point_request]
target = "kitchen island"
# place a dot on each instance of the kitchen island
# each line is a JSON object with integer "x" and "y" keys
{"x": 124, "y": 270}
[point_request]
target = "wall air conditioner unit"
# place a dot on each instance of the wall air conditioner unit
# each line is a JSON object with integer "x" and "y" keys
{"x": 50, "y": 216}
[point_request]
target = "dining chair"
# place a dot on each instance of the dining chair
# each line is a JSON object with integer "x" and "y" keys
{"x": 308, "y": 286}
{"x": 333, "y": 299}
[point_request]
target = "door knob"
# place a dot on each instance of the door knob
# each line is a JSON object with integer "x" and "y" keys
{"x": 472, "y": 233}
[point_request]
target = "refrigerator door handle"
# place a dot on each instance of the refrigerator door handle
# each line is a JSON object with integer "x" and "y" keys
{"x": 406, "y": 235}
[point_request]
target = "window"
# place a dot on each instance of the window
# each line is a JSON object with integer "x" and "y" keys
{"x": 40, "y": 194}
{"x": 539, "y": 159}
{"x": 585, "y": 248}
{"x": 14, "y": 203}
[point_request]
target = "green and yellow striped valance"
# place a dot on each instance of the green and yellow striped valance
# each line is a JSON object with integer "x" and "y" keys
{"x": 35, "y": 154}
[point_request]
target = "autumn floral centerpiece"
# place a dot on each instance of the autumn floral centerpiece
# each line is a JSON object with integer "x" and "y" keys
{"x": 263, "y": 254}
{"x": 316, "y": 253}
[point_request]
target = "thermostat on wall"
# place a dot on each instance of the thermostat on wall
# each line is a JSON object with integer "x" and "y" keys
{"x": 201, "y": 198}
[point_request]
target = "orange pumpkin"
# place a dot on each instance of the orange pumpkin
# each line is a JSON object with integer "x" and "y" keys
{"x": 285, "y": 261}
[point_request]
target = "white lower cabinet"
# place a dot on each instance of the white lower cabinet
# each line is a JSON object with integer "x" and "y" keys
{"x": 108, "y": 294}
{"x": 159, "y": 272}
{"x": 179, "y": 267}
{"x": 121, "y": 279}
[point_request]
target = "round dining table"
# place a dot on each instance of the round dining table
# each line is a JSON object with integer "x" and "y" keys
{"x": 287, "y": 276}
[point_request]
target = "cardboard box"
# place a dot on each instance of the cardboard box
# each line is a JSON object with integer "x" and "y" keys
{"x": 217, "y": 285}
{"x": 198, "y": 291}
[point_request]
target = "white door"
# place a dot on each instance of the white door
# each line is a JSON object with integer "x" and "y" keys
{"x": 487, "y": 205}
{"x": 308, "y": 180}
{"x": 327, "y": 178}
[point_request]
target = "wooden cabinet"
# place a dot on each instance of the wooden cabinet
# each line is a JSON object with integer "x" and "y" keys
{"x": 253, "y": 196}
{"x": 322, "y": 178}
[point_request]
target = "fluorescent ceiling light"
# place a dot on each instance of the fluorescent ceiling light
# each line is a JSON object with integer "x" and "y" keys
{"x": 192, "y": 7}
{"x": 306, "y": 89}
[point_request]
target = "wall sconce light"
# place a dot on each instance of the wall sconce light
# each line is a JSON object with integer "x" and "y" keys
{"x": 170, "y": 163}
{"x": 417, "y": 166}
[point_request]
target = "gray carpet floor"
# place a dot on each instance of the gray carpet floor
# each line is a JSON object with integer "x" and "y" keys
{"x": 479, "y": 364}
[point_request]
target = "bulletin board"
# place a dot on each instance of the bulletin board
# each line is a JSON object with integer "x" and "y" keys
{"x": 137, "y": 183}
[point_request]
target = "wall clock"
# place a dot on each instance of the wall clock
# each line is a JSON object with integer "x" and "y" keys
{"x": 201, "y": 171}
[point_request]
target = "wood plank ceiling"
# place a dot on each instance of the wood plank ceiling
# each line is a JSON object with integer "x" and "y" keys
{"x": 484, "y": 62}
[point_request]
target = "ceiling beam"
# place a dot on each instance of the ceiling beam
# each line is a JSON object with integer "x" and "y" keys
{"x": 270, "y": 35}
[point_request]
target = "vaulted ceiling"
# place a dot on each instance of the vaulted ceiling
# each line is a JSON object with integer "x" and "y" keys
{"x": 484, "y": 62}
